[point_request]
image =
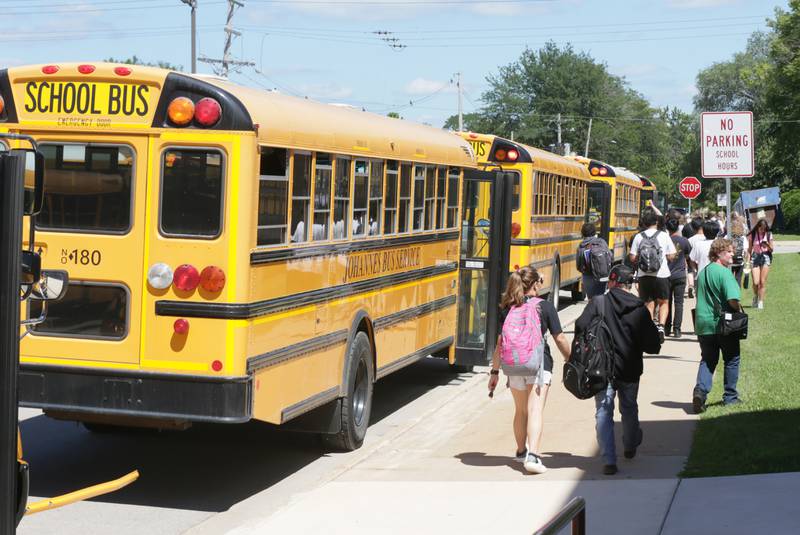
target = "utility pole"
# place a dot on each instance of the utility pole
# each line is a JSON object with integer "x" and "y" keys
{"x": 558, "y": 122}
{"x": 226, "y": 62}
{"x": 460, "y": 104}
{"x": 193, "y": 5}
{"x": 588, "y": 136}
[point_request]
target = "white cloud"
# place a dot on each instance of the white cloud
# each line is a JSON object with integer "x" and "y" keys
{"x": 699, "y": 4}
{"x": 326, "y": 91}
{"x": 421, "y": 86}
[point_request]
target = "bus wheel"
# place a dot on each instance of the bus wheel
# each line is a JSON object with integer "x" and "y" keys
{"x": 555, "y": 288}
{"x": 357, "y": 403}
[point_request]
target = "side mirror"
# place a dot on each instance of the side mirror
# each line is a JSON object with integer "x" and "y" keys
{"x": 30, "y": 268}
{"x": 51, "y": 287}
{"x": 34, "y": 181}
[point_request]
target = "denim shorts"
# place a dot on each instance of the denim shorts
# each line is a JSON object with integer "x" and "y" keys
{"x": 521, "y": 382}
{"x": 761, "y": 259}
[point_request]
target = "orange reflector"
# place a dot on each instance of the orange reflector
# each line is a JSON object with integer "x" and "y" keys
{"x": 595, "y": 171}
{"x": 50, "y": 69}
{"x": 86, "y": 69}
{"x": 500, "y": 154}
{"x": 181, "y": 111}
{"x": 212, "y": 279}
{"x": 516, "y": 228}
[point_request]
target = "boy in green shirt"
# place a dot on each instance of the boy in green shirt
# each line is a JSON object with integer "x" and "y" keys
{"x": 717, "y": 292}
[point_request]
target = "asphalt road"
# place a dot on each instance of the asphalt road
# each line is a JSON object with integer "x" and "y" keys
{"x": 189, "y": 477}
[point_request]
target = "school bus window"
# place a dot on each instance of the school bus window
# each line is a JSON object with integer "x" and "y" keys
{"x": 375, "y": 197}
{"x": 390, "y": 210}
{"x": 452, "y": 196}
{"x": 419, "y": 197}
{"x": 273, "y": 196}
{"x": 87, "y": 310}
{"x": 322, "y": 196}
{"x": 341, "y": 199}
{"x": 360, "y": 192}
{"x": 515, "y": 192}
{"x": 87, "y": 188}
{"x": 301, "y": 195}
{"x": 404, "y": 207}
{"x": 430, "y": 196}
{"x": 191, "y": 193}
{"x": 441, "y": 191}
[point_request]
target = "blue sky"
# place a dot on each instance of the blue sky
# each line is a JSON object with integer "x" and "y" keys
{"x": 327, "y": 49}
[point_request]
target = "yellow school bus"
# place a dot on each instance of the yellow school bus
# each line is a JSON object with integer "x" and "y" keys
{"x": 234, "y": 254}
{"x": 651, "y": 196}
{"x": 548, "y": 206}
{"x": 613, "y": 205}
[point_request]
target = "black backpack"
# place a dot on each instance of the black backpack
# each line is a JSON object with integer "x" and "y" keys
{"x": 591, "y": 365}
{"x": 594, "y": 258}
{"x": 649, "y": 253}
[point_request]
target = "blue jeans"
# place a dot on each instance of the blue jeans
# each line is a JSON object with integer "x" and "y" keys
{"x": 604, "y": 418}
{"x": 710, "y": 347}
{"x": 593, "y": 287}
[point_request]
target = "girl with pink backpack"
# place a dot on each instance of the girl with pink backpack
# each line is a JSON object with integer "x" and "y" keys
{"x": 524, "y": 356}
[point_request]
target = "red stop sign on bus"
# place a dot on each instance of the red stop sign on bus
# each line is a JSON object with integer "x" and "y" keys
{"x": 689, "y": 187}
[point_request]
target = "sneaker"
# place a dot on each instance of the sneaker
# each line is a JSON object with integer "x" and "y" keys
{"x": 676, "y": 333}
{"x": 520, "y": 456}
{"x": 734, "y": 401}
{"x": 660, "y": 333}
{"x": 755, "y": 301}
{"x": 691, "y": 292}
{"x": 761, "y": 305}
{"x": 630, "y": 454}
{"x": 534, "y": 464}
{"x": 610, "y": 469}
{"x": 698, "y": 404}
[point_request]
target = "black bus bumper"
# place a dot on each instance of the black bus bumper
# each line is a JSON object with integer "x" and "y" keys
{"x": 135, "y": 394}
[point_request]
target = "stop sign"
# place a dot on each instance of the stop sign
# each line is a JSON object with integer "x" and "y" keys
{"x": 689, "y": 187}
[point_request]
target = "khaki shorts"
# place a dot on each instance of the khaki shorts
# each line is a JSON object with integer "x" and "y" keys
{"x": 521, "y": 382}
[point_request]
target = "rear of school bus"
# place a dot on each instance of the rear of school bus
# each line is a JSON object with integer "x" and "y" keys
{"x": 142, "y": 168}
{"x": 543, "y": 234}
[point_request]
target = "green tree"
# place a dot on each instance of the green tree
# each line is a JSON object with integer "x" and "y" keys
{"x": 783, "y": 96}
{"x": 133, "y": 60}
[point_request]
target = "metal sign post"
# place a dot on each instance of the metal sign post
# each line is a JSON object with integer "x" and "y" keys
{"x": 727, "y": 149}
{"x": 11, "y": 194}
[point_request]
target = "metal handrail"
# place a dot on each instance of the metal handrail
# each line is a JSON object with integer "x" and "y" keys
{"x": 574, "y": 512}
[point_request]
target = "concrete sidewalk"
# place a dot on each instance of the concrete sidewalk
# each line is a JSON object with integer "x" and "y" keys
{"x": 453, "y": 472}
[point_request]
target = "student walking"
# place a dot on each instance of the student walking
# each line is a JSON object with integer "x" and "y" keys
{"x": 652, "y": 249}
{"x": 698, "y": 257}
{"x": 717, "y": 293}
{"x": 594, "y": 260}
{"x": 677, "y": 279}
{"x": 741, "y": 247}
{"x": 634, "y": 333}
{"x": 762, "y": 247}
{"x": 529, "y": 392}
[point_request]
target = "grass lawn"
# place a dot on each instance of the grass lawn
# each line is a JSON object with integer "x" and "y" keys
{"x": 761, "y": 435}
{"x": 786, "y": 237}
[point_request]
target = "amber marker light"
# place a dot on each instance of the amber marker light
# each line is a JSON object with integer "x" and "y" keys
{"x": 181, "y": 111}
{"x": 500, "y": 154}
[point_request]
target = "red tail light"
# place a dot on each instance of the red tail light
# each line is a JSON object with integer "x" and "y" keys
{"x": 186, "y": 278}
{"x": 181, "y": 326}
{"x": 513, "y": 155}
{"x": 516, "y": 228}
{"x": 50, "y": 69}
{"x": 122, "y": 71}
{"x": 207, "y": 112}
{"x": 86, "y": 69}
{"x": 500, "y": 154}
{"x": 216, "y": 366}
{"x": 212, "y": 279}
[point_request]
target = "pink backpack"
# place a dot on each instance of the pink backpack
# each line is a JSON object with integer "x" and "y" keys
{"x": 521, "y": 341}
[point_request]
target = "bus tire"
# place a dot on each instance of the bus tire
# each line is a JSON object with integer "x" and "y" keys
{"x": 357, "y": 402}
{"x": 555, "y": 288}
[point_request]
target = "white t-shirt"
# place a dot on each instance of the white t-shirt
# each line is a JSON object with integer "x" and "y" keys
{"x": 696, "y": 238}
{"x": 667, "y": 247}
{"x": 699, "y": 254}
